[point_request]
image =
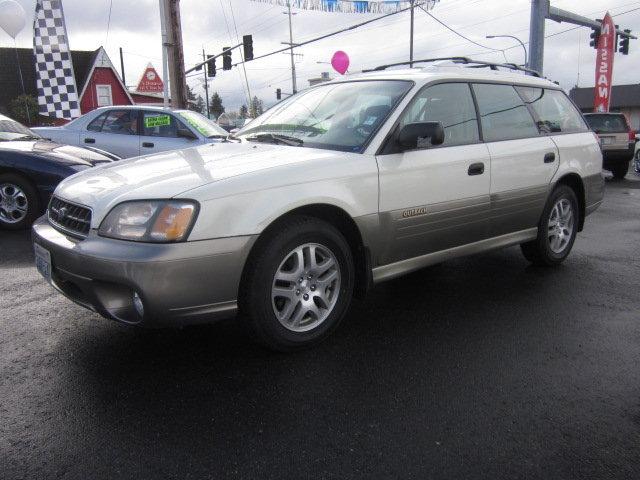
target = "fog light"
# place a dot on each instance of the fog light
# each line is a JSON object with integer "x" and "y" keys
{"x": 137, "y": 303}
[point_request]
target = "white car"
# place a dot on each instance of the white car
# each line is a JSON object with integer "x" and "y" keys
{"x": 339, "y": 187}
{"x": 131, "y": 131}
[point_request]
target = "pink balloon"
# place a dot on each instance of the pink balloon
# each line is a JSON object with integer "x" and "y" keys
{"x": 340, "y": 62}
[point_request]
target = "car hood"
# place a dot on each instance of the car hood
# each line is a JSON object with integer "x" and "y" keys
{"x": 61, "y": 154}
{"x": 168, "y": 174}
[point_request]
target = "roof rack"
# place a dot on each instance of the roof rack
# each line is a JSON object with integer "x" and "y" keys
{"x": 464, "y": 60}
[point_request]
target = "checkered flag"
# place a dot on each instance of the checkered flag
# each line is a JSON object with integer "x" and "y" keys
{"x": 57, "y": 91}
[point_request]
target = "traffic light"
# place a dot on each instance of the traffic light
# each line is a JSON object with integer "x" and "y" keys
{"x": 279, "y": 94}
{"x": 595, "y": 37}
{"x": 226, "y": 58}
{"x": 624, "y": 44}
{"x": 211, "y": 64}
{"x": 247, "y": 43}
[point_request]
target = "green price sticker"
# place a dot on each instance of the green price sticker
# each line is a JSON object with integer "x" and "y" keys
{"x": 157, "y": 121}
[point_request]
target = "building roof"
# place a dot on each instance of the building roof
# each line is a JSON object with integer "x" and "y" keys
{"x": 622, "y": 96}
{"x": 9, "y": 75}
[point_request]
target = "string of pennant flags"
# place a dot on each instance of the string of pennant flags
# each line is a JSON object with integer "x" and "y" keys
{"x": 351, "y": 6}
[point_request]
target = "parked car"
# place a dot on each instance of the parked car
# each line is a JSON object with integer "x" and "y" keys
{"x": 130, "y": 131}
{"x": 636, "y": 156}
{"x": 31, "y": 168}
{"x": 339, "y": 187}
{"x": 617, "y": 139}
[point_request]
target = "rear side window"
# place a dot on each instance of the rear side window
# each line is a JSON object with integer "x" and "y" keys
{"x": 503, "y": 114}
{"x": 555, "y": 112}
{"x": 122, "y": 122}
{"x": 450, "y": 104}
{"x": 96, "y": 124}
{"x": 607, "y": 123}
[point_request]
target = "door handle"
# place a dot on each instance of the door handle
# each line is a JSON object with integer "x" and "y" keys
{"x": 147, "y": 144}
{"x": 476, "y": 169}
{"x": 550, "y": 157}
{"x": 89, "y": 140}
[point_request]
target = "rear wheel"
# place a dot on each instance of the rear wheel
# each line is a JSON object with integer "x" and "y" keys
{"x": 299, "y": 286}
{"x": 620, "y": 170}
{"x": 557, "y": 229}
{"x": 19, "y": 203}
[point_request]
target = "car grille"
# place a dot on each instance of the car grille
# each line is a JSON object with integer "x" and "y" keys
{"x": 69, "y": 217}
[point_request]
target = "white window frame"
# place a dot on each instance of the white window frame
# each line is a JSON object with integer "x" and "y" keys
{"x": 98, "y": 95}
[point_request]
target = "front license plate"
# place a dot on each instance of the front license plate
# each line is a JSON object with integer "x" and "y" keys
{"x": 43, "y": 261}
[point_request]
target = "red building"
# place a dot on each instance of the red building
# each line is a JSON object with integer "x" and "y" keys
{"x": 99, "y": 83}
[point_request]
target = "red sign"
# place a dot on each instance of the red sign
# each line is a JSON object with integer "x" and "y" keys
{"x": 604, "y": 65}
{"x": 150, "y": 81}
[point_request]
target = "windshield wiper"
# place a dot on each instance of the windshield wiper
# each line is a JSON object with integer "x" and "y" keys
{"x": 26, "y": 137}
{"x": 275, "y": 138}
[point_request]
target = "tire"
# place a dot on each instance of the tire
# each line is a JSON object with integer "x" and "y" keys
{"x": 551, "y": 249}
{"x": 19, "y": 202}
{"x": 308, "y": 312}
{"x": 620, "y": 170}
{"x": 636, "y": 162}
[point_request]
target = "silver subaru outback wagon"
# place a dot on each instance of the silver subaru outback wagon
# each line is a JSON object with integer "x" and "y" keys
{"x": 337, "y": 188}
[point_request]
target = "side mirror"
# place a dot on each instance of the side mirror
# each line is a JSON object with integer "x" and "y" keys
{"x": 411, "y": 133}
{"x": 186, "y": 133}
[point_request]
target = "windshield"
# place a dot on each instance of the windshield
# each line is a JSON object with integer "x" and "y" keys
{"x": 607, "y": 123}
{"x": 202, "y": 124}
{"x": 338, "y": 116}
{"x": 12, "y": 130}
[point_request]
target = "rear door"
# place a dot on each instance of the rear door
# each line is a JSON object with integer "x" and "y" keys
{"x": 523, "y": 161}
{"x": 115, "y": 131}
{"x": 160, "y": 133}
{"x": 436, "y": 197}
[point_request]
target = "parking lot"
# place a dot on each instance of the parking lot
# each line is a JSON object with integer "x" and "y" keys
{"x": 477, "y": 368}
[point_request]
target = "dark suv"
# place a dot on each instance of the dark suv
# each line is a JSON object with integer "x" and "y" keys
{"x": 617, "y": 140}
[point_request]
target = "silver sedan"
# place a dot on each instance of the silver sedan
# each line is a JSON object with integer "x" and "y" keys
{"x": 131, "y": 131}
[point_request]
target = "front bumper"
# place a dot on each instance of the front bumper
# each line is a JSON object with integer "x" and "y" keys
{"x": 179, "y": 283}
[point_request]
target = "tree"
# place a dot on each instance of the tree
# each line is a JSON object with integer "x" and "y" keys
{"x": 244, "y": 111}
{"x": 200, "y": 105}
{"x": 216, "y": 108}
{"x": 18, "y": 109}
{"x": 191, "y": 100}
{"x": 257, "y": 107}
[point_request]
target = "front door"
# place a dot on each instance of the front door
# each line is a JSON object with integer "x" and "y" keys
{"x": 160, "y": 133}
{"x": 436, "y": 197}
{"x": 523, "y": 161}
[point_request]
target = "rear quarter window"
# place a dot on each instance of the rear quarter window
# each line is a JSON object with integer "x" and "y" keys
{"x": 553, "y": 110}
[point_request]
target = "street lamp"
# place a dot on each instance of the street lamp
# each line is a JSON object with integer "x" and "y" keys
{"x": 526, "y": 64}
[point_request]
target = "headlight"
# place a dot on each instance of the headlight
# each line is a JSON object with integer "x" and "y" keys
{"x": 157, "y": 221}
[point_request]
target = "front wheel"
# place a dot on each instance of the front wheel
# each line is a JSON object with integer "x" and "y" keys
{"x": 557, "y": 229}
{"x": 19, "y": 203}
{"x": 299, "y": 284}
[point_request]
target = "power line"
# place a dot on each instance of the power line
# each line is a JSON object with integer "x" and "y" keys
{"x": 106, "y": 38}
{"x": 246, "y": 79}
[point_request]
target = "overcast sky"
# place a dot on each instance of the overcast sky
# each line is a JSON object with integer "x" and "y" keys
{"x": 135, "y": 27}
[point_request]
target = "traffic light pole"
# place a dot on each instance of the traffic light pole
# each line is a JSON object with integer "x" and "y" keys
{"x": 540, "y": 11}
{"x": 206, "y": 85}
{"x": 293, "y": 63}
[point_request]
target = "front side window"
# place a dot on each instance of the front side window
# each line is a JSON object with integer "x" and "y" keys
{"x": 450, "y": 104}
{"x": 159, "y": 124}
{"x": 503, "y": 114}
{"x": 122, "y": 122}
{"x": 337, "y": 116}
{"x": 555, "y": 112}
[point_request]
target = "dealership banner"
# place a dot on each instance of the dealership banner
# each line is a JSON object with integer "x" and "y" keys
{"x": 604, "y": 65}
{"x": 352, "y": 6}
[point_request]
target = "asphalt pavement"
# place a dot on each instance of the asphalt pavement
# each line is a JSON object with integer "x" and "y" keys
{"x": 482, "y": 367}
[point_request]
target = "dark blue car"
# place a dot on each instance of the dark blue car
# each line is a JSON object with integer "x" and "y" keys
{"x": 31, "y": 168}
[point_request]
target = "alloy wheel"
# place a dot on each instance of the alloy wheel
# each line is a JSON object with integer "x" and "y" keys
{"x": 14, "y": 204}
{"x": 561, "y": 225}
{"x": 306, "y": 287}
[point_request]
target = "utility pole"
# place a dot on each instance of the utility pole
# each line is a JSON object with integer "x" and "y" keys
{"x": 206, "y": 84}
{"x": 411, "y": 33}
{"x": 165, "y": 54}
{"x": 175, "y": 58}
{"x": 124, "y": 82}
{"x": 293, "y": 63}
